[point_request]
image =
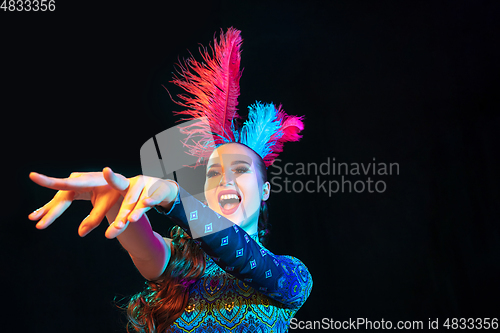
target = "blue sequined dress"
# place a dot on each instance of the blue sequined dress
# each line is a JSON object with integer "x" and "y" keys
{"x": 245, "y": 287}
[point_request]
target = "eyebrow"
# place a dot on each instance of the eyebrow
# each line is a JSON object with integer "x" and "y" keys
{"x": 232, "y": 163}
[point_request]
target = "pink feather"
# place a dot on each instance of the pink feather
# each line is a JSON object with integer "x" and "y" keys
{"x": 214, "y": 88}
{"x": 291, "y": 126}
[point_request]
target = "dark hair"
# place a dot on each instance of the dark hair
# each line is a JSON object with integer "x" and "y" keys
{"x": 163, "y": 301}
{"x": 263, "y": 225}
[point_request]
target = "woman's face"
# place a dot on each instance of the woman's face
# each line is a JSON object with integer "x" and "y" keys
{"x": 233, "y": 185}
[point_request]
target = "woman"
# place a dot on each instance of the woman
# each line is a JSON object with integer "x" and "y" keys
{"x": 213, "y": 274}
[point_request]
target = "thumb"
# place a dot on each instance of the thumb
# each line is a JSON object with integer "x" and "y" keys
{"x": 115, "y": 180}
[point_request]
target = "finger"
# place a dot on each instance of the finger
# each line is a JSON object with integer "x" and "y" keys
{"x": 130, "y": 201}
{"x": 144, "y": 204}
{"x": 114, "y": 231}
{"x": 138, "y": 212}
{"x": 158, "y": 192}
{"x": 96, "y": 215}
{"x": 40, "y": 212}
{"x": 58, "y": 207}
{"x": 115, "y": 180}
{"x": 155, "y": 194}
{"x": 66, "y": 184}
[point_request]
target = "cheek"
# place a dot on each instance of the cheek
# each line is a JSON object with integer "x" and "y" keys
{"x": 249, "y": 186}
{"x": 210, "y": 192}
{"x": 211, "y": 196}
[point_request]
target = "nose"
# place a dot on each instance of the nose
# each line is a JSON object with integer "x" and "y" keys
{"x": 226, "y": 179}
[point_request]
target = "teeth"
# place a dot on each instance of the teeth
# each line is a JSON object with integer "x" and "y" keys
{"x": 229, "y": 196}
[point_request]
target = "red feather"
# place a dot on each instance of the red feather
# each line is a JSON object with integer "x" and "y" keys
{"x": 214, "y": 88}
{"x": 291, "y": 126}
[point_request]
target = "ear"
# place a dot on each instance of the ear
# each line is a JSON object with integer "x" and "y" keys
{"x": 266, "y": 191}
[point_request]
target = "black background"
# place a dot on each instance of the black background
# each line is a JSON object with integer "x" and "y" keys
{"x": 408, "y": 82}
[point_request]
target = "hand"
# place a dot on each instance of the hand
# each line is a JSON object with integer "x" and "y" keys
{"x": 79, "y": 186}
{"x": 142, "y": 194}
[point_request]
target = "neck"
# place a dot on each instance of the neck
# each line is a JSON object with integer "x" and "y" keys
{"x": 250, "y": 223}
{"x": 250, "y": 229}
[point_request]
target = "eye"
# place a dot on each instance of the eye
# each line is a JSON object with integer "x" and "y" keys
{"x": 212, "y": 173}
{"x": 241, "y": 170}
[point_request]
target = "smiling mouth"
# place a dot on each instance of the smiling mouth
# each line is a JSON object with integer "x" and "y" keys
{"x": 229, "y": 202}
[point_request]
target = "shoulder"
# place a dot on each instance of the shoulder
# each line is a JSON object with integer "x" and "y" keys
{"x": 290, "y": 264}
{"x": 295, "y": 265}
{"x": 296, "y": 280}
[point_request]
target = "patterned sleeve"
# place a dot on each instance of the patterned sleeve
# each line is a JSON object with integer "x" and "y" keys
{"x": 283, "y": 278}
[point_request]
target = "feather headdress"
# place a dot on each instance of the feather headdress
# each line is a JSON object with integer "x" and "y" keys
{"x": 213, "y": 88}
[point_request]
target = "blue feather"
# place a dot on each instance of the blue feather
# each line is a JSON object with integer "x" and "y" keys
{"x": 261, "y": 125}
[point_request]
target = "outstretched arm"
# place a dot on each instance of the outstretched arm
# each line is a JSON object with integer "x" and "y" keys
{"x": 149, "y": 251}
{"x": 117, "y": 198}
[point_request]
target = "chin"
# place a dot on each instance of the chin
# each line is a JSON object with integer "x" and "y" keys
{"x": 235, "y": 218}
